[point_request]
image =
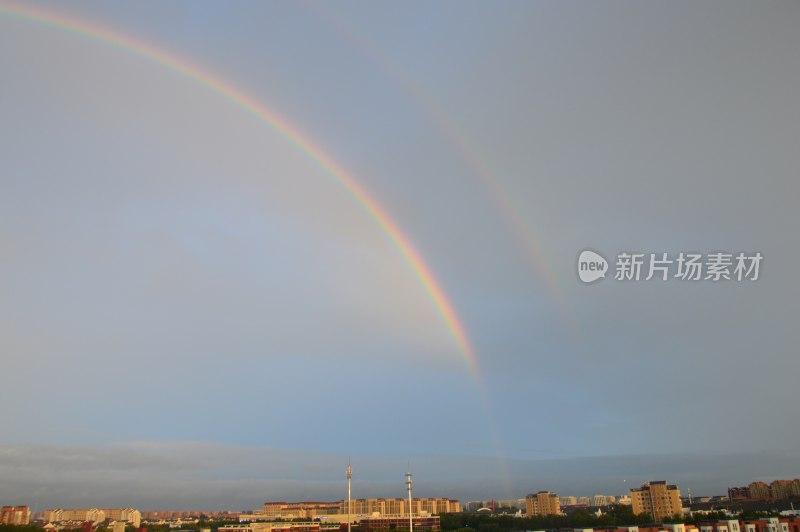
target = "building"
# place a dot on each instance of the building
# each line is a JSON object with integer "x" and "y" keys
{"x": 474, "y": 506}
{"x": 421, "y": 523}
{"x": 171, "y": 515}
{"x": 772, "y": 524}
{"x": 657, "y": 498}
{"x": 542, "y": 503}
{"x": 300, "y": 510}
{"x": 296, "y": 526}
{"x": 15, "y": 515}
{"x": 777, "y": 490}
{"x": 568, "y": 500}
{"x": 338, "y": 511}
{"x": 499, "y": 505}
{"x": 511, "y": 503}
{"x": 95, "y": 515}
{"x": 758, "y": 491}
{"x": 738, "y": 493}
{"x": 129, "y": 515}
{"x": 61, "y": 515}
{"x": 721, "y": 526}
{"x": 436, "y": 506}
{"x": 603, "y": 500}
{"x": 780, "y": 489}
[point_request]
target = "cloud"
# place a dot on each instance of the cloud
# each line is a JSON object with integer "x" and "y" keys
{"x": 203, "y": 475}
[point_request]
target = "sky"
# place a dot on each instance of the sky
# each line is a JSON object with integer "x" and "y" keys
{"x": 197, "y": 312}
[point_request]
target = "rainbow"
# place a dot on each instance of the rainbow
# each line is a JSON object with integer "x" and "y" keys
{"x": 239, "y": 98}
{"x": 502, "y": 198}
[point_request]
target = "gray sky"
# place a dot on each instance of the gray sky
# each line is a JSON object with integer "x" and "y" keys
{"x": 183, "y": 285}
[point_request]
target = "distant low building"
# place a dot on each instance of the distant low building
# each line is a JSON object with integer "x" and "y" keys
{"x": 129, "y": 515}
{"x": 511, "y": 503}
{"x": 738, "y": 493}
{"x": 96, "y": 515}
{"x": 777, "y": 490}
{"x": 603, "y": 500}
{"x": 358, "y": 507}
{"x": 772, "y": 524}
{"x": 300, "y": 510}
{"x": 171, "y": 515}
{"x": 307, "y": 526}
{"x": 62, "y": 515}
{"x": 421, "y": 523}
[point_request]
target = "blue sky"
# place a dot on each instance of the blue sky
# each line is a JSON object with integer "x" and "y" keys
{"x": 177, "y": 274}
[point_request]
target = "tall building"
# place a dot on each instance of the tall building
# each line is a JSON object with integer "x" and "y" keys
{"x": 542, "y": 503}
{"x": 758, "y": 490}
{"x": 657, "y": 498}
{"x": 15, "y": 515}
{"x": 780, "y": 489}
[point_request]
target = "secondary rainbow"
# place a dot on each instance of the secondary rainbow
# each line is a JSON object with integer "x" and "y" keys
{"x": 498, "y": 193}
{"x": 246, "y": 102}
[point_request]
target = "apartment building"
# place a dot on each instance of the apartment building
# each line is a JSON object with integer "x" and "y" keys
{"x": 15, "y": 515}
{"x": 657, "y": 498}
{"x": 542, "y": 503}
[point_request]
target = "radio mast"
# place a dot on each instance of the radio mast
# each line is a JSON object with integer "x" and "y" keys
{"x": 410, "y": 510}
{"x": 349, "y": 509}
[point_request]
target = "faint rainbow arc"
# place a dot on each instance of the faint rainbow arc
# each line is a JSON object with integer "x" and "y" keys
{"x": 469, "y": 155}
{"x": 239, "y": 98}
{"x": 522, "y": 228}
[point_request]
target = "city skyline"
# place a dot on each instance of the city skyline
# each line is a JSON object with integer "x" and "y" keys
{"x": 534, "y": 504}
{"x": 236, "y": 490}
{"x": 242, "y": 242}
